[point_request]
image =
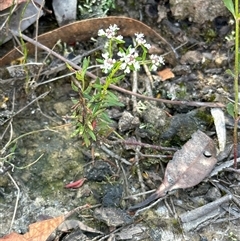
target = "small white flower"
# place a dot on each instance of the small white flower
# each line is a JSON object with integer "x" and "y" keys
{"x": 105, "y": 55}
{"x": 141, "y": 41}
{"x": 154, "y": 67}
{"x": 119, "y": 38}
{"x": 147, "y": 46}
{"x": 136, "y": 65}
{"x": 109, "y": 32}
{"x": 156, "y": 61}
{"x": 123, "y": 65}
{"x": 139, "y": 36}
{"x": 114, "y": 27}
{"x": 127, "y": 70}
{"x": 101, "y": 32}
{"x": 129, "y": 60}
{"x": 107, "y": 63}
{"x": 133, "y": 51}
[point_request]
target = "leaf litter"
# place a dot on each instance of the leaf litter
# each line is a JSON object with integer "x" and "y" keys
{"x": 40, "y": 231}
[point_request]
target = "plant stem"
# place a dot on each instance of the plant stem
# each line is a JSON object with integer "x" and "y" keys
{"x": 235, "y": 133}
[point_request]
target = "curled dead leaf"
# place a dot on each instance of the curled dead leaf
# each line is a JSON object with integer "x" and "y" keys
{"x": 85, "y": 29}
{"x": 189, "y": 167}
{"x": 76, "y": 184}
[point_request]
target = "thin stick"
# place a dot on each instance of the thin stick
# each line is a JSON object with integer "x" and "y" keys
{"x": 41, "y": 46}
{"x": 8, "y": 17}
{"x": 140, "y": 194}
{"x": 112, "y": 154}
{"x": 9, "y": 125}
{"x": 138, "y": 170}
{"x": 148, "y": 81}
{"x": 10, "y": 139}
{"x": 134, "y": 90}
{"x": 37, "y": 24}
{"x": 175, "y": 102}
{"x": 150, "y": 206}
{"x": 126, "y": 186}
{"x": 204, "y": 210}
{"x": 16, "y": 203}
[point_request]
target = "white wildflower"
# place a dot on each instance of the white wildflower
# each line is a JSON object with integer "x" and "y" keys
{"x": 114, "y": 27}
{"x": 129, "y": 60}
{"x": 119, "y": 38}
{"x": 101, "y": 32}
{"x": 156, "y": 61}
{"x": 109, "y": 32}
{"x": 141, "y": 41}
{"x": 107, "y": 63}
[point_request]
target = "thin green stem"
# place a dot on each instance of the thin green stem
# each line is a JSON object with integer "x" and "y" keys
{"x": 236, "y": 58}
{"x": 236, "y": 73}
{"x": 111, "y": 75}
{"x": 110, "y": 48}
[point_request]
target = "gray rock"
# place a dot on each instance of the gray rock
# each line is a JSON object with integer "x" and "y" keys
{"x": 198, "y": 11}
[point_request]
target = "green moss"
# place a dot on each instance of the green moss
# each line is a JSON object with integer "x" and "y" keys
{"x": 153, "y": 220}
{"x": 182, "y": 91}
{"x": 176, "y": 225}
{"x": 204, "y": 116}
{"x": 210, "y": 35}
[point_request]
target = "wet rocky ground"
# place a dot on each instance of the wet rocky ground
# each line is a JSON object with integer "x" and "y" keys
{"x": 39, "y": 155}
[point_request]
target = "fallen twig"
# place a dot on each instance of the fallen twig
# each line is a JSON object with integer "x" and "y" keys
{"x": 112, "y": 154}
{"x": 142, "y": 144}
{"x": 139, "y": 172}
{"x": 192, "y": 219}
{"x": 16, "y": 203}
{"x": 150, "y": 206}
{"x": 221, "y": 167}
{"x": 173, "y": 102}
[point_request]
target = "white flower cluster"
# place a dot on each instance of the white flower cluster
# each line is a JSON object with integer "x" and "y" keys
{"x": 130, "y": 58}
{"x": 107, "y": 63}
{"x": 156, "y": 61}
{"x": 110, "y": 32}
{"x": 141, "y": 41}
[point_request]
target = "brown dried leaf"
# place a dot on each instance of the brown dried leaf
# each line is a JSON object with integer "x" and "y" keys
{"x": 85, "y": 29}
{"x": 13, "y": 237}
{"x": 8, "y": 3}
{"x": 166, "y": 74}
{"x": 38, "y": 231}
{"x": 189, "y": 166}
